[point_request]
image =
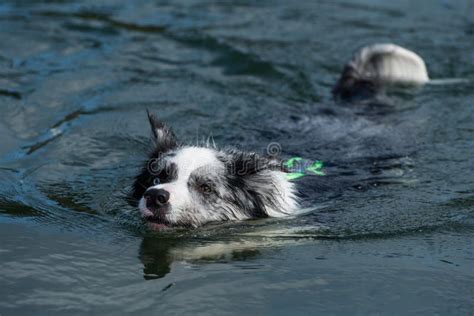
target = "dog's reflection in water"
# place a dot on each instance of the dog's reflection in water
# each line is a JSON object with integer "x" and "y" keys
{"x": 154, "y": 254}
{"x": 158, "y": 252}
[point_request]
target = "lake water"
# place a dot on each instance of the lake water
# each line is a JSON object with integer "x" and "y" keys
{"x": 390, "y": 228}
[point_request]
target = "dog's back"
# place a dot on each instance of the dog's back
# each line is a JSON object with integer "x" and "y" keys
{"x": 375, "y": 66}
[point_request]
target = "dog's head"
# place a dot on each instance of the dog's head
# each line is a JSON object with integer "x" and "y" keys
{"x": 190, "y": 186}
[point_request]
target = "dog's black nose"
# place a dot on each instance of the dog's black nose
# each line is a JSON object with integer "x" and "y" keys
{"x": 156, "y": 197}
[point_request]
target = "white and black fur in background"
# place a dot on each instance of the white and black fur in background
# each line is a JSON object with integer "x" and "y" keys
{"x": 190, "y": 186}
{"x": 374, "y": 67}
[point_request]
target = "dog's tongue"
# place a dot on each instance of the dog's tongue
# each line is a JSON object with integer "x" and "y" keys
{"x": 157, "y": 226}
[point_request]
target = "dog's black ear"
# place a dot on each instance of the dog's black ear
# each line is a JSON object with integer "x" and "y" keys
{"x": 163, "y": 136}
{"x": 244, "y": 164}
{"x": 253, "y": 188}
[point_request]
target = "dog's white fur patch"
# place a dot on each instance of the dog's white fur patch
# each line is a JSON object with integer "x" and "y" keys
{"x": 390, "y": 63}
{"x": 287, "y": 196}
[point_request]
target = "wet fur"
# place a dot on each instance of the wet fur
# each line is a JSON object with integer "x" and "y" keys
{"x": 243, "y": 185}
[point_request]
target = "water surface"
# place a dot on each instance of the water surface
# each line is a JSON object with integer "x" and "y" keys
{"x": 391, "y": 226}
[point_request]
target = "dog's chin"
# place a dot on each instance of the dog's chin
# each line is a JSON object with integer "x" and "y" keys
{"x": 154, "y": 222}
{"x": 157, "y": 226}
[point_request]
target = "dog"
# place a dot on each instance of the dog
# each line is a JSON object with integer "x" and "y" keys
{"x": 189, "y": 186}
{"x": 374, "y": 67}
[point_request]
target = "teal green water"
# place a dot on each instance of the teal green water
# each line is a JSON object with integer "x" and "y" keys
{"x": 388, "y": 231}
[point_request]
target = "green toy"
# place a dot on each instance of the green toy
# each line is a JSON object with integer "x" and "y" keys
{"x": 299, "y": 167}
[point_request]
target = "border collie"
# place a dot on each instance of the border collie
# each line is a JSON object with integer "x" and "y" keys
{"x": 190, "y": 186}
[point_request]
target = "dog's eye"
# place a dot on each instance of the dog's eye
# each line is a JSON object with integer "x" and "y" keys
{"x": 205, "y": 188}
{"x": 156, "y": 181}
